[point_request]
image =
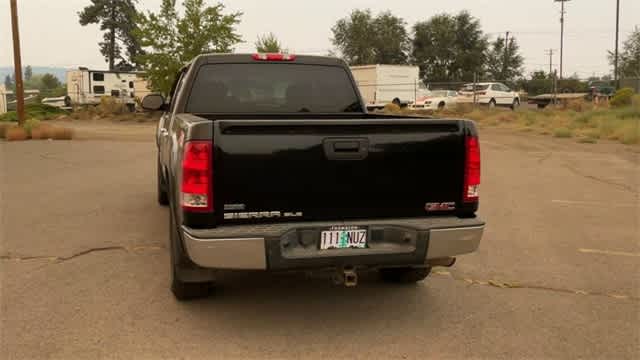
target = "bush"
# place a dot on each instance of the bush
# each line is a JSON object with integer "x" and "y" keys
{"x": 622, "y": 97}
{"x": 35, "y": 111}
{"x": 392, "y": 108}
{"x": 3, "y": 129}
{"x": 562, "y": 132}
{"x": 30, "y": 125}
{"x": 16, "y": 133}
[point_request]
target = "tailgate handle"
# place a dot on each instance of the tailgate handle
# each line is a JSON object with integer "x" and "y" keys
{"x": 346, "y": 148}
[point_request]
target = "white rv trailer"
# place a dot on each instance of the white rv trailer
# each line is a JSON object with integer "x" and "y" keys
{"x": 87, "y": 87}
{"x": 383, "y": 84}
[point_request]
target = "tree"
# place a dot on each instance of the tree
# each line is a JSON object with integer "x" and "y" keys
{"x": 172, "y": 40}
{"x": 504, "y": 64}
{"x": 629, "y": 58}
{"x": 8, "y": 82}
{"x": 49, "y": 81}
{"x": 449, "y": 48}
{"x": 268, "y": 44}
{"x": 28, "y": 73}
{"x": 364, "y": 39}
{"x": 118, "y": 18}
{"x": 539, "y": 75}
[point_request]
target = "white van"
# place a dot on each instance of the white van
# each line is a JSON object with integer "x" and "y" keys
{"x": 383, "y": 84}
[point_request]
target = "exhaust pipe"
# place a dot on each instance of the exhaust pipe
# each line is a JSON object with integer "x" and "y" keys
{"x": 350, "y": 277}
{"x": 346, "y": 276}
{"x": 445, "y": 262}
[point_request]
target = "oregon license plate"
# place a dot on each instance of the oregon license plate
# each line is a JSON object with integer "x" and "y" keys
{"x": 343, "y": 237}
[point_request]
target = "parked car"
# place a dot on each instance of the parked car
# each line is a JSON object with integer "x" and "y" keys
{"x": 491, "y": 94}
{"x": 437, "y": 100}
{"x": 271, "y": 162}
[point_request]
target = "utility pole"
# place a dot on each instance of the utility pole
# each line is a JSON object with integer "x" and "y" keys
{"x": 17, "y": 63}
{"x": 615, "y": 66}
{"x": 562, "y": 12}
{"x": 550, "y": 53}
{"x": 506, "y": 56}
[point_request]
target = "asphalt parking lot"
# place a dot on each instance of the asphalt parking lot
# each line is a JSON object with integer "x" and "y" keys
{"x": 85, "y": 270}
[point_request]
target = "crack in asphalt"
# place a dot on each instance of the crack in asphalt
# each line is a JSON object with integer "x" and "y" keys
{"x": 601, "y": 180}
{"x": 507, "y": 285}
{"x": 60, "y": 259}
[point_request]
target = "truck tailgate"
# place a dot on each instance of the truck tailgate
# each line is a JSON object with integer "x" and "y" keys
{"x": 336, "y": 169}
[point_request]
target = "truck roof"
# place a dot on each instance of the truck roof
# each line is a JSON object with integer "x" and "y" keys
{"x": 219, "y": 58}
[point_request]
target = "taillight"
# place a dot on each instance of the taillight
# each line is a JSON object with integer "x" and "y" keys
{"x": 197, "y": 177}
{"x": 273, "y": 57}
{"x": 472, "y": 170}
{"x": 482, "y": 93}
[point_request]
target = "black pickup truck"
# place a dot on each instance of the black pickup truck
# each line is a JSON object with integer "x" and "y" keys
{"x": 271, "y": 162}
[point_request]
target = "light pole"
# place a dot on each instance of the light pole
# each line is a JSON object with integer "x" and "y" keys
{"x": 562, "y": 12}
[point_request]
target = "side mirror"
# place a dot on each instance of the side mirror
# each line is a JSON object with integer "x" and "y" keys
{"x": 153, "y": 102}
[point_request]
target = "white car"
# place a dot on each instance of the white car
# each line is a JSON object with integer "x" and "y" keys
{"x": 491, "y": 94}
{"x": 436, "y": 100}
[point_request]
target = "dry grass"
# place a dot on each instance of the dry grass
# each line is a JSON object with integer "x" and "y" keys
{"x": 46, "y": 131}
{"x": 577, "y": 119}
{"x": 16, "y": 133}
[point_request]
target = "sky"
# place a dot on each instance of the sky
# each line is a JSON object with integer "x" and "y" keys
{"x": 51, "y": 35}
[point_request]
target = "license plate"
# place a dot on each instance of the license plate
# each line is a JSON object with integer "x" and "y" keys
{"x": 343, "y": 237}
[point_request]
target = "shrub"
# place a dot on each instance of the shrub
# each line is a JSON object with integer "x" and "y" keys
{"x": 622, "y": 97}
{"x": 30, "y": 125}
{"x": 37, "y": 111}
{"x": 110, "y": 105}
{"x": 562, "y": 132}
{"x": 4, "y": 127}
{"x": 16, "y": 133}
{"x": 392, "y": 108}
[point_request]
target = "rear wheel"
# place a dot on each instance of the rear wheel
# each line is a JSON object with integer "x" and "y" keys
{"x": 183, "y": 290}
{"x": 163, "y": 196}
{"x": 404, "y": 275}
{"x": 396, "y": 101}
{"x": 441, "y": 106}
{"x": 492, "y": 104}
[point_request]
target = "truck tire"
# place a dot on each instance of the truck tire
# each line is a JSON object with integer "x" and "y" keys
{"x": 397, "y": 101}
{"x": 404, "y": 275}
{"x": 163, "y": 196}
{"x": 183, "y": 290}
{"x": 441, "y": 106}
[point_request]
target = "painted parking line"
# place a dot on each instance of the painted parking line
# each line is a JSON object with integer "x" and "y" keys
{"x": 594, "y": 203}
{"x": 608, "y": 252}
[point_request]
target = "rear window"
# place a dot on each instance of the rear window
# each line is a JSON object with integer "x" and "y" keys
{"x": 272, "y": 88}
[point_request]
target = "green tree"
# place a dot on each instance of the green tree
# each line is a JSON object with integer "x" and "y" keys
{"x": 504, "y": 64}
{"x": 539, "y": 75}
{"x": 629, "y": 57}
{"x": 8, "y": 82}
{"x": 268, "y": 44}
{"x": 28, "y": 72}
{"x": 49, "y": 81}
{"x": 449, "y": 47}
{"x": 171, "y": 40}
{"x": 363, "y": 39}
{"x": 391, "y": 43}
{"x": 118, "y": 18}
